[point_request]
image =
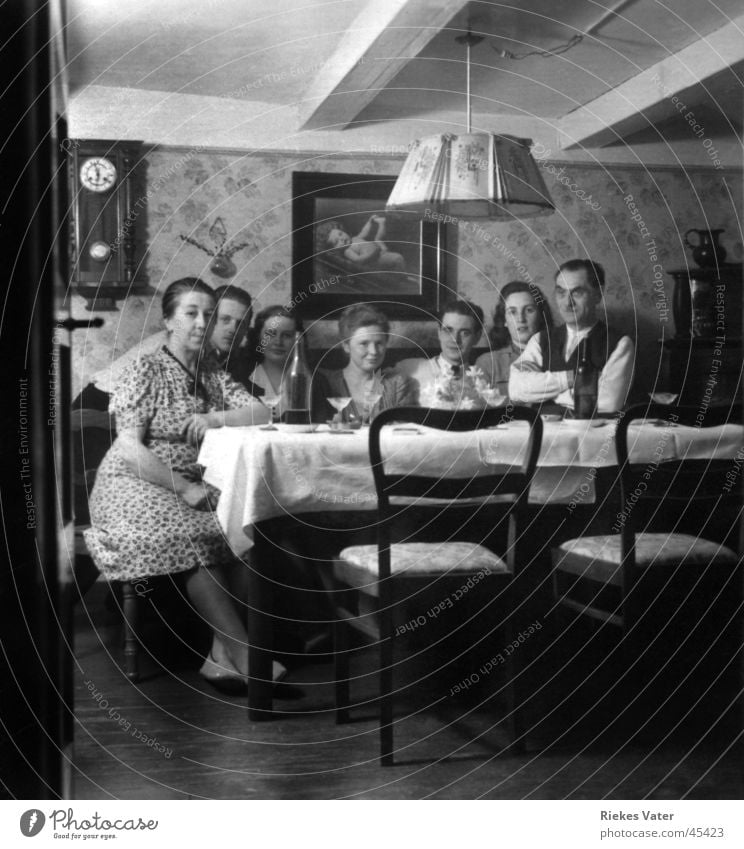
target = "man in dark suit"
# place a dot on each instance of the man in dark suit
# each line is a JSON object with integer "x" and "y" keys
{"x": 230, "y": 327}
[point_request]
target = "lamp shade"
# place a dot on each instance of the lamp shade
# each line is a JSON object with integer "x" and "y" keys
{"x": 472, "y": 175}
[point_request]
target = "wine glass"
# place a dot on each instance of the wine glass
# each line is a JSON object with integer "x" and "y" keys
{"x": 492, "y": 397}
{"x": 371, "y": 398}
{"x": 272, "y": 402}
{"x": 340, "y": 402}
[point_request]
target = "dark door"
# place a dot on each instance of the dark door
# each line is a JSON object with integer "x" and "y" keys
{"x": 36, "y": 505}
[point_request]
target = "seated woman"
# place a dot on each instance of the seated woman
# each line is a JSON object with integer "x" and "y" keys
{"x": 272, "y": 346}
{"x": 364, "y": 332}
{"x": 521, "y": 312}
{"x": 150, "y": 511}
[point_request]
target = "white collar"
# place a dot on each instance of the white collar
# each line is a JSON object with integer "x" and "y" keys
{"x": 445, "y": 366}
{"x": 573, "y": 337}
{"x": 260, "y": 378}
{"x": 580, "y": 334}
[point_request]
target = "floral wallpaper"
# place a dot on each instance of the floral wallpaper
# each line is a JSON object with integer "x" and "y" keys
{"x": 630, "y": 219}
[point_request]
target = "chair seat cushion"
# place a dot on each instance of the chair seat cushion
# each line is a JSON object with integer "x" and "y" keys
{"x": 598, "y": 557}
{"x": 357, "y": 565}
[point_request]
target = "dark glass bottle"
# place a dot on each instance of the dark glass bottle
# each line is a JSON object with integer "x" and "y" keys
{"x": 296, "y": 386}
{"x": 585, "y": 386}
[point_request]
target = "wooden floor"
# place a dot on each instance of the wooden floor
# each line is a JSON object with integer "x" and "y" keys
{"x": 172, "y": 737}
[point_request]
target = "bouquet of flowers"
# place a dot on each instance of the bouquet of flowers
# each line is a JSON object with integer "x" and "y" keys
{"x": 470, "y": 391}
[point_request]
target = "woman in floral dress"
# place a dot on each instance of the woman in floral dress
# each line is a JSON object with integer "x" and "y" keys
{"x": 151, "y": 513}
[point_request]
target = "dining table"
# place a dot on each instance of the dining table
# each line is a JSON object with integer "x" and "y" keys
{"x": 265, "y": 474}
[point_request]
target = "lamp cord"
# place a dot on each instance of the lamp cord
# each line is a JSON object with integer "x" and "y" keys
{"x": 467, "y": 88}
{"x": 469, "y": 40}
{"x": 554, "y": 51}
{"x": 573, "y": 41}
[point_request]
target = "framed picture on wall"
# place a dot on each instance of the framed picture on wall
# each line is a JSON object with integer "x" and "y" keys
{"x": 348, "y": 249}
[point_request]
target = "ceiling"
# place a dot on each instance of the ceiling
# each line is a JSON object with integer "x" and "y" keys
{"x": 291, "y": 68}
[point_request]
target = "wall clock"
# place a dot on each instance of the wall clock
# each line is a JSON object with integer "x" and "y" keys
{"x": 105, "y": 218}
{"x": 98, "y": 174}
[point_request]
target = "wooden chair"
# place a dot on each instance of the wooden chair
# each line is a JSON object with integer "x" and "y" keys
{"x": 93, "y": 433}
{"x": 667, "y": 538}
{"x": 371, "y": 571}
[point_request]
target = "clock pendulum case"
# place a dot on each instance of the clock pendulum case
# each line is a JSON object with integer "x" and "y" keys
{"x": 104, "y": 220}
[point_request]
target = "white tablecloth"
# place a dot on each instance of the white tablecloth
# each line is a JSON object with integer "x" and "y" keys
{"x": 265, "y": 474}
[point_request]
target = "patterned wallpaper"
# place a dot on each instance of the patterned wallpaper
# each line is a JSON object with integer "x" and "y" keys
{"x": 630, "y": 219}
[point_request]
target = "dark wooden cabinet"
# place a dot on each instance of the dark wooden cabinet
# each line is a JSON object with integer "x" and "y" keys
{"x": 705, "y": 356}
{"x": 703, "y": 372}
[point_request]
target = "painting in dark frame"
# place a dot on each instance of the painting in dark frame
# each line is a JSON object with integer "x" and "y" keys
{"x": 347, "y": 249}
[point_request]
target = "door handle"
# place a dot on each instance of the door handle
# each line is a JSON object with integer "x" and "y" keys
{"x": 79, "y": 324}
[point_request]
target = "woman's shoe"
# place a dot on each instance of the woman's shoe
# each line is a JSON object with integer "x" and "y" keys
{"x": 227, "y": 679}
{"x": 224, "y": 677}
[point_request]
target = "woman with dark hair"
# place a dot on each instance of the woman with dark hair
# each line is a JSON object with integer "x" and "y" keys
{"x": 272, "y": 344}
{"x": 521, "y": 312}
{"x": 151, "y": 513}
{"x": 364, "y": 331}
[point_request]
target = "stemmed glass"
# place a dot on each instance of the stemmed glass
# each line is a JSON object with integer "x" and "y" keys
{"x": 272, "y": 402}
{"x": 492, "y": 397}
{"x": 371, "y": 397}
{"x": 340, "y": 402}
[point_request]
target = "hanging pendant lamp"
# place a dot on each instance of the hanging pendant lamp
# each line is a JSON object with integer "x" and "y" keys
{"x": 471, "y": 175}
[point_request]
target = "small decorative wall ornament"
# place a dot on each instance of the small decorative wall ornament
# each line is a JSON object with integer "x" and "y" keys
{"x": 223, "y": 252}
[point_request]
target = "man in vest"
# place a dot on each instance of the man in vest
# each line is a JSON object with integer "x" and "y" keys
{"x": 545, "y": 370}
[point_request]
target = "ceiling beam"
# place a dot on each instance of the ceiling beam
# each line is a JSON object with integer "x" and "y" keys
{"x": 381, "y": 40}
{"x": 654, "y": 94}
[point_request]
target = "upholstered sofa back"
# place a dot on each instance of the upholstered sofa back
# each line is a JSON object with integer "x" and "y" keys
{"x": 335, "y": 358}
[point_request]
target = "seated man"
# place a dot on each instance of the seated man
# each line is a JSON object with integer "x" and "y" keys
{"x": 460, "y": 328}
{"x": 229, "y": 329}
{"x": 545, "y": 370}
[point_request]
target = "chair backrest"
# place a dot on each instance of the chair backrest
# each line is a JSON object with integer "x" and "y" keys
{"x": 511, "y": 483}
{"x": 93, "y": 433}
{"x": 699, "y": 497}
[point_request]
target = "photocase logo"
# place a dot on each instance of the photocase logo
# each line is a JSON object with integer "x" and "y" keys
{"x": 32, "y": 822}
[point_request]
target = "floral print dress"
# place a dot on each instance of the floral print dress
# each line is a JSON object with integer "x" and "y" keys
{"x": 139, "y": 528}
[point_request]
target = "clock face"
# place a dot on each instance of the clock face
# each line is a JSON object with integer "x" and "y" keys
{"x": 98, "y": 174}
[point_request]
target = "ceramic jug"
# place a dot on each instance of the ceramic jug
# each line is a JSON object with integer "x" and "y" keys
{"x": 707, "y": 252}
